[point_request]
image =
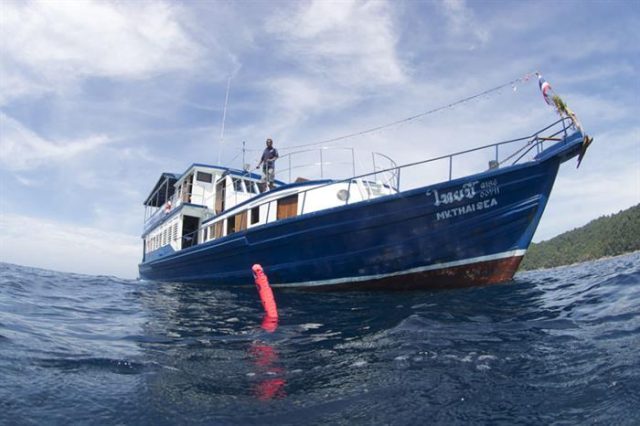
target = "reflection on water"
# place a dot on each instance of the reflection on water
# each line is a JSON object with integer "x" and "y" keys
{"x": 267, "y": 367}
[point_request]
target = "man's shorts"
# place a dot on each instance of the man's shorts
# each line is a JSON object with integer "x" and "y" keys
{"x": 268, "y": 175}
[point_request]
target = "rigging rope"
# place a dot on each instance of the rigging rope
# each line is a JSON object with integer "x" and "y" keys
{"x": 511, "y": 83}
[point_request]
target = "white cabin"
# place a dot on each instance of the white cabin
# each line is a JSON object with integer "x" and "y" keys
{"x": 206, "y": 203}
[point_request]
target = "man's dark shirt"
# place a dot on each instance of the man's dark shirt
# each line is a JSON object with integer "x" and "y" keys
{"x": 268, "y": 155}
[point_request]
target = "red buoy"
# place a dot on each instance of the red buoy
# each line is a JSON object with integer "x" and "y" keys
{"x": 264, "y": 290}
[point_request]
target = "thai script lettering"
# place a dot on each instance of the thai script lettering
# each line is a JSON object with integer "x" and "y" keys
{"x": 468, "y": 191}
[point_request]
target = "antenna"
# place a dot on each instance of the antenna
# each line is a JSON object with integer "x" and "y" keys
{"x": 245, "y": 166}
{"x": 224, "y": 117}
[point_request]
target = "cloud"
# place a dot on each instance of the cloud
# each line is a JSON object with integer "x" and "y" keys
{"x": 67, "y": 247}
{"x": 461, "y": 22}
{"x": 300, "y": 98}
{"x": 22, "y": 149}
{"x": 349, "y": 42}
{"x": 330, "y": 56}
{"x": 47, "y": 45}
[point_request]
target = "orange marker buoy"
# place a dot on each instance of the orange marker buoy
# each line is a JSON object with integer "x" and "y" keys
{"x": 269, "y": 324}
{"x": 264, "y": 290}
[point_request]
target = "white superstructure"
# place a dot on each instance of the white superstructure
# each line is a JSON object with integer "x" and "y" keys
{"x": 209, "y": 202}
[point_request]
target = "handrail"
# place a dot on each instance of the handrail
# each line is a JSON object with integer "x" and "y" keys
{"x": 456, "y": 154}
{"x": 535, "y": 140}
{"x": 322, "y": 163}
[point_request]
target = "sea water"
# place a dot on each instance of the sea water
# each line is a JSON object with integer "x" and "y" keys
{"x": 557, "y": 346}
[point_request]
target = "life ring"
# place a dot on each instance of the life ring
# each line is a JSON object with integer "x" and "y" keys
{"x": 167, "y": 207}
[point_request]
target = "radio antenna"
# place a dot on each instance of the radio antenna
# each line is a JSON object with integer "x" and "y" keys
{"x": 224, "y": 117}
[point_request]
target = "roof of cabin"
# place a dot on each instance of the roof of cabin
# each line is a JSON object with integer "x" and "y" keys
{"x": 174, "y": 177}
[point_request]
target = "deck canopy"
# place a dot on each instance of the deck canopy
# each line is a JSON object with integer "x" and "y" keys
{"x": 162, "y": 191}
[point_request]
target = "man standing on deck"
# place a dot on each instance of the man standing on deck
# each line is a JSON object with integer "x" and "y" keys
{"x": 268, "y": 160}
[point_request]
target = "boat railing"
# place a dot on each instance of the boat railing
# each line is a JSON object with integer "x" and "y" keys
{"x": 508, "y": 152}
{"x": 328, "y": 161}
{"x": 175, "y": 201}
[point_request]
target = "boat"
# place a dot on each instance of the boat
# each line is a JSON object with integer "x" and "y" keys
{"x": 470, "y": 226}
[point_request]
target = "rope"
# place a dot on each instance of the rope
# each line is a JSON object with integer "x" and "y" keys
{"x": 512, "y": 83}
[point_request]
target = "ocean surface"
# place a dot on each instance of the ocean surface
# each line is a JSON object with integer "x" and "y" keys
{"x": 557, "y": 346}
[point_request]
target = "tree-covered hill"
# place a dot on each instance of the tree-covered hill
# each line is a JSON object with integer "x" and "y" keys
{"x": 606, "y": 236}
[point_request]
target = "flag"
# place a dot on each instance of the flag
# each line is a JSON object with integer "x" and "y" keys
{"x": 556, "y": 101}
{"x": 545, "y": 88}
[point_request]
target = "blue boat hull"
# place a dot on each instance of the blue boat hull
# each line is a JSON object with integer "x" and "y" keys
{"x": 469, "y": 231}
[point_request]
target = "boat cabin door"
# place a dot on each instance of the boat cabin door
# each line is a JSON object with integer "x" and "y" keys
{"x": 220, "y": 194}
{"x": 190, "y": 225}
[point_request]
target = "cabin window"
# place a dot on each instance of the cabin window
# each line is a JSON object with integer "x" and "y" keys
{"x": 237, "y": 223}
{"x": 231, "y": 225}
{"x": 251, "y": 187}
{"x": 204, "y": 177}
{"x": 287, "y": 207}
{"x": 255, "y": 215}
{"x": 237, "y": 185}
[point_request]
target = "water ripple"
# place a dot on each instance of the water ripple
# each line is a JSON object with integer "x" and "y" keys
{"x": 555, "y": 346}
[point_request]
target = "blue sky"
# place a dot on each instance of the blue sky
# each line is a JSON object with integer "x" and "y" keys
{"x": 98, "y": 98}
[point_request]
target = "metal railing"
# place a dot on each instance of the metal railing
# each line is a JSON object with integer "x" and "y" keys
{"x": 551, "y": 134}
{"x": 317, "y": 161}
{"x": 375, "y": 187}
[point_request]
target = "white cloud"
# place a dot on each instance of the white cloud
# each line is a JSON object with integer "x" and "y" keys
{"x": 22, "y": 149}
{"x": 46, "y": 45}
{"x": 333, "y": 55}
{"x": 352, "y": 43}
{"x": 65, "y": 247}
{"x": 299, "y": 98}
{"x": 461, "y": 22}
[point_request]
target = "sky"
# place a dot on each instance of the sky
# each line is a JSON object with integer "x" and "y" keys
{"x": 98, "y": 98}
